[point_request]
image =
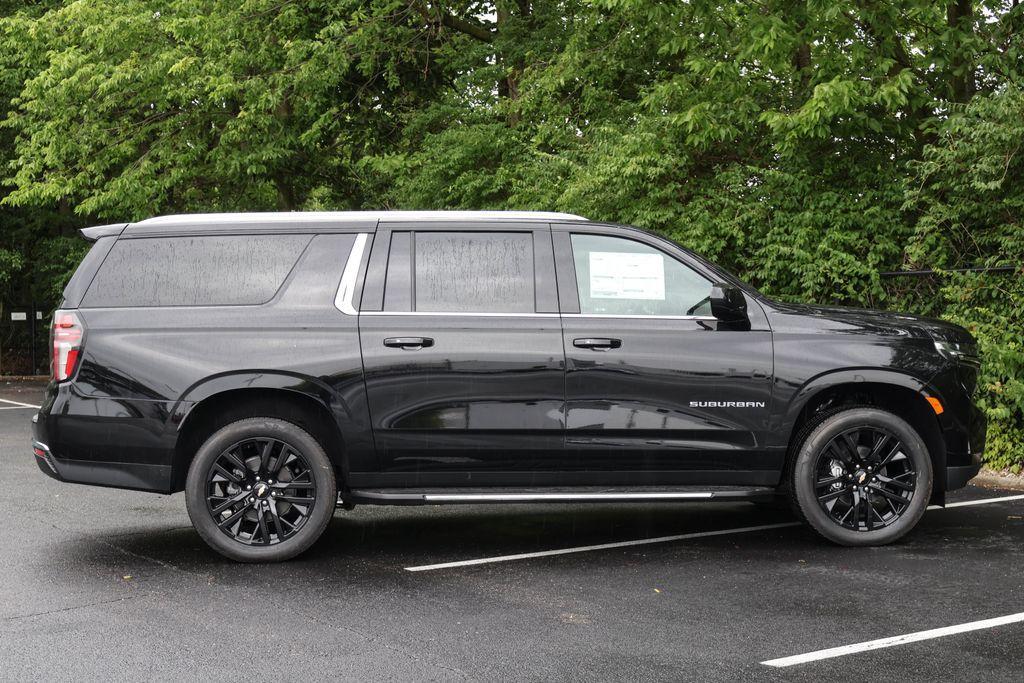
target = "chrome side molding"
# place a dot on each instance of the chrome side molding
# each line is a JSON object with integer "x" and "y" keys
{"x": 510, "y": 495}
{"x": 560, "y": 497}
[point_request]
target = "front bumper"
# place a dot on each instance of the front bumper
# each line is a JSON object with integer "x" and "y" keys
{"x": 958, "y": 475}
{"x": 963, "y": 424}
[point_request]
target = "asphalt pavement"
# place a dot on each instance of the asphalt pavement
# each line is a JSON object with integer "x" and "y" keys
{"x": 115, "y": 585}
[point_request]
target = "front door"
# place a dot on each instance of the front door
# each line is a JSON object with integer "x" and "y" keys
{"x": 657, "y": 390}
{"x": 462, "y": 351}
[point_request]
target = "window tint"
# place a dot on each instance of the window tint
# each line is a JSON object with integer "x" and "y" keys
{"x": 194, "y": 271}
{"x": 474, "y": 272}
{"x": 79, "y": 282}
{"x": 398, "y": 282}
{"x": 617, "y": 276}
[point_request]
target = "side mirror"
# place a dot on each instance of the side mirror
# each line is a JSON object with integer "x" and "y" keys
{"x": 728, "y": 303}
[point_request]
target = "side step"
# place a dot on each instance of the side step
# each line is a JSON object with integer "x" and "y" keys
{"x": 582, "y": 494}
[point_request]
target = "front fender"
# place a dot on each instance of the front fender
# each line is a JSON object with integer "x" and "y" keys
{"x": 852, "y": 376}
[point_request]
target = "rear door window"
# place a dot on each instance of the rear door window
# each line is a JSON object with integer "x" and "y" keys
{"x": 214, "y": 270}
{"x": 461, "y": 272}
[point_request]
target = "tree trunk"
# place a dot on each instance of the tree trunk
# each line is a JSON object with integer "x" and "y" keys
{"x": 286, "y": 200}
{"x": 802, "y": 54}
{"x": 960, "y": 18}
{"x": 283, "y": 178}
{"x": 508, "y": 84}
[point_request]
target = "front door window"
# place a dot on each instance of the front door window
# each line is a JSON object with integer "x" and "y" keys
{"x": 621, "y": 277}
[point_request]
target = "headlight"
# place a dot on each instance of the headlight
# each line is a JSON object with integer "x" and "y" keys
{"x": 950, "y": 350}
{"x": 960, "y": 353}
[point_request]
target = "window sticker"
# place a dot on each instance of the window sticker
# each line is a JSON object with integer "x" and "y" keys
{"x": 619, "y": 275}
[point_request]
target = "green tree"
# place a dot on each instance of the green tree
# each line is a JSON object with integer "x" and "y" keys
{"x": 807, "y": 145}
{"x": 969, "y": 197}
{"x": 35, "y": 234}
{"x": 138, "y": 107}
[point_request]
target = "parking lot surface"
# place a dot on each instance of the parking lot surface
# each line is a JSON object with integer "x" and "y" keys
{"x": 98, "y": 583}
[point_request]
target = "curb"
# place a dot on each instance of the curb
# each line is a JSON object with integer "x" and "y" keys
{"x": 1001, "y": 480}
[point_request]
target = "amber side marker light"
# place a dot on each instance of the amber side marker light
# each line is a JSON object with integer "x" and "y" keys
{"x": 936, "y": 404}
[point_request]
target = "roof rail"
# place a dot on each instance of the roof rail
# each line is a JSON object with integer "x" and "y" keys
{"x": 342, "y": 216}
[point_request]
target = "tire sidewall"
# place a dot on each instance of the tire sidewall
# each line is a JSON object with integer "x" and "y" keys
{"x": 320, "y": 468}
{"x": 804, "y": 476}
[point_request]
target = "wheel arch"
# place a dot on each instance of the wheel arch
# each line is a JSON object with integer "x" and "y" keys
{"x": 901, "y": 394}
{"x": 222, "y": 399}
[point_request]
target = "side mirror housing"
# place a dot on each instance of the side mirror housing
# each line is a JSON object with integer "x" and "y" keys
{"x": 728, "y": 303}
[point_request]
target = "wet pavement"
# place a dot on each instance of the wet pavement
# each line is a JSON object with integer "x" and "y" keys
{"x": 101, "y": 583}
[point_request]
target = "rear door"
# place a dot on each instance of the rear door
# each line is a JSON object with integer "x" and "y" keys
{"x": 657, "y": 390}
{"x": 462, "y": 351}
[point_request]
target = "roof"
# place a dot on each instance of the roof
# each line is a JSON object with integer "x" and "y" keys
{"x": 348, "y": 216}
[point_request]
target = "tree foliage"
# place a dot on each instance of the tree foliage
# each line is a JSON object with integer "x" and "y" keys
{"x": 807, "y": 145}
{"x": 969, "y": 201}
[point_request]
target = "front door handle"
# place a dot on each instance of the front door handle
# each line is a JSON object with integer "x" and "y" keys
{"x": 408, "y": 343}
{"x": 597, "y": 343}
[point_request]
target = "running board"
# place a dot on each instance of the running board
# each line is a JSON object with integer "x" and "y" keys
{"x": 553, "y": 495}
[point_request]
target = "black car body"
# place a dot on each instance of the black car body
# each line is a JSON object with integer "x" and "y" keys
{"x": 473, "y": 356}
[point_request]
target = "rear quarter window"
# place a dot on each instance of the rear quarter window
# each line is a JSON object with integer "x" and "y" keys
{"x": 79, "y": 282}
{"x": 194, "y": 270}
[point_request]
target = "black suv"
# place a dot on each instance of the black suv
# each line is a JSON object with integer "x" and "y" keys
{"x": 273, "y": 366}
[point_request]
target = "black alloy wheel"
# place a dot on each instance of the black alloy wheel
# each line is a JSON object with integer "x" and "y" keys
{"x": 260, "y": 490}
{"x": 864, "y": 479}
{"x": 862, "y": 476}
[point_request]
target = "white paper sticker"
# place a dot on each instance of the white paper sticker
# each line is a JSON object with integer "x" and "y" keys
{"x": 19, "y": 315}
{"x": 616, "y": 275}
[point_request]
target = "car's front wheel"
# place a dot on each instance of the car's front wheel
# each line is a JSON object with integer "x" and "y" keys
{"x": 260, "y": 490}
{"x": 862, "y": 476}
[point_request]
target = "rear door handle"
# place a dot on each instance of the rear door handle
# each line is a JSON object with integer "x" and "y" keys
{"x": 597, "y": 343}
{"x": 408, "y": 343}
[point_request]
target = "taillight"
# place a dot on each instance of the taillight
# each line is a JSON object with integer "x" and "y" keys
{"x": 67, "y": 344}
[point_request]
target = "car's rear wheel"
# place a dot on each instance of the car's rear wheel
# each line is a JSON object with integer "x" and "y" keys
{"x": 260, "y": 490}
{"x": 862, "y": 476}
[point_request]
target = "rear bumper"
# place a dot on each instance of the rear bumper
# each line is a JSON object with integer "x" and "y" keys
{"x": 114, "y": 474}
{"x": 44, "y": 459}
{"x": 71, "y": 443}
{"x": 122, "y": 475}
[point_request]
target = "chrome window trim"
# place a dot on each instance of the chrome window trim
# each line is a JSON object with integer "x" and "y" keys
{"x": 463, "y": 314}
{"x": 347, "y": 288}
{"x": 640, "y": 317}
{"x": 473, "y": 314}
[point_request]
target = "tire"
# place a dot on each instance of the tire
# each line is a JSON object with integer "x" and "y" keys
{"x": 838, "y": 488}
{"x": 273, "y": 520}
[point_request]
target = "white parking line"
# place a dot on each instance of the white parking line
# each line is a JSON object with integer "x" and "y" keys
{"x": 602, "y": 546}
{"x": 18, "y": 403}
{"x": 659, "y": 539}
{"x": 983, "y": 501}
{"x": 895, "y": 640}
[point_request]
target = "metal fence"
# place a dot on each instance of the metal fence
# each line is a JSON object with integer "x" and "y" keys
{"x": 24, "y": 338}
